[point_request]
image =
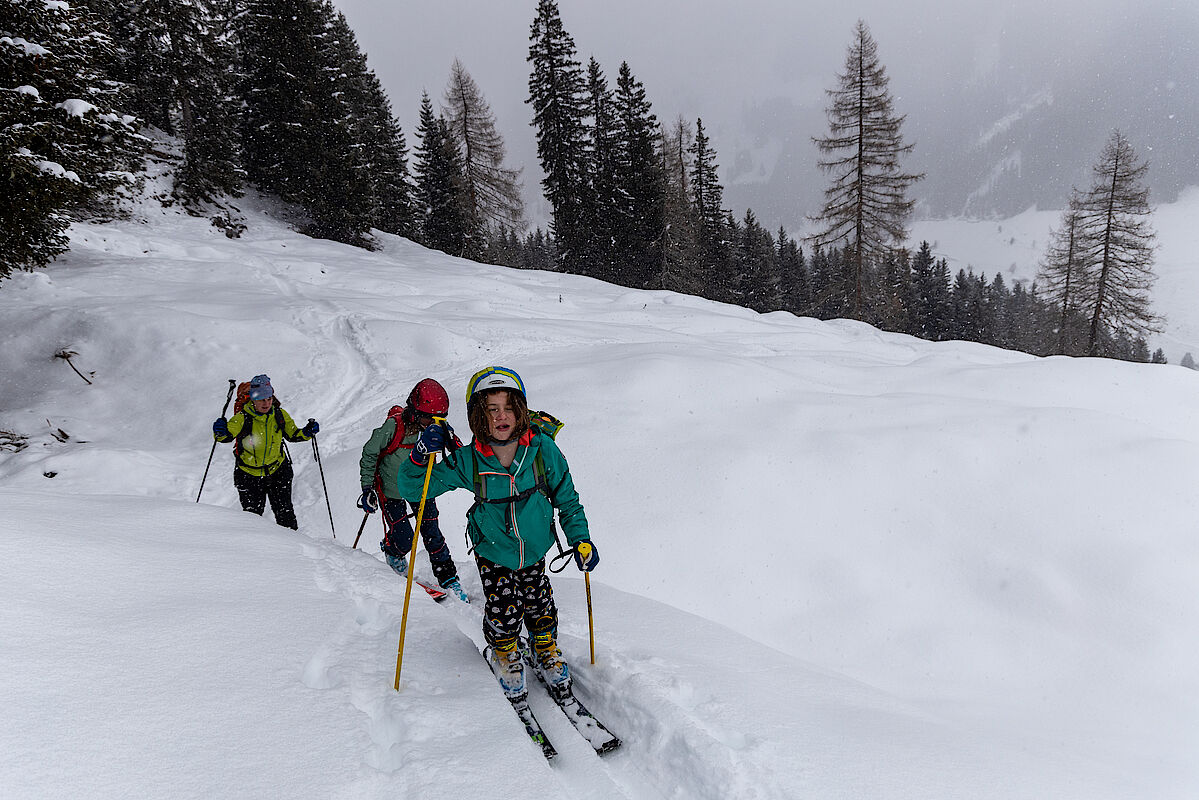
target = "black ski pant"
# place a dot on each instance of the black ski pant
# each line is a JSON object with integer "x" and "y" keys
{"x": 254, "y": 491}
{"x": 513, "y": 597}
{"x": 397, "y": 540}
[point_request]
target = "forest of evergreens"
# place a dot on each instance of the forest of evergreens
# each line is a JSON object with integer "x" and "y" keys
{"x": 277, "y": 95}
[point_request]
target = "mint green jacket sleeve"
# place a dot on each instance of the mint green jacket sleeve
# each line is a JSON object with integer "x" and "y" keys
{"x": 562, "y": 489}
{"x": 447, "y": 476}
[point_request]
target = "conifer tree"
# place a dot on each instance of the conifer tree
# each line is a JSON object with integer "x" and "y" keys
{"x": 1114, "y": 214}
{"x": 1063, "y": 274}
{"x": 556, "y": 92}
{"x": 930, "y": 312}
{"x": 300, "y": 125}
{"x": 440, "y": 186}
{"x": 642, "y": 185}
{"x": 681, "y": 267}
{"x": 389, "y": 176}
{"x": 866, "y": 205}
{"x": 181, "y": 68}
{"x": 283, "y": 70}
{"x": 603, "y": 209}
{"x": 66, "y": 143}
{"x": 758, "y": 275}
{"x": 492, "y": 189}
{"x": 711, "y": 220}
{"x": 793, "y": 274}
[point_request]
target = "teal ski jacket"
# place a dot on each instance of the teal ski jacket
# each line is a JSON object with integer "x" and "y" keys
{"x": 517, "y": 534}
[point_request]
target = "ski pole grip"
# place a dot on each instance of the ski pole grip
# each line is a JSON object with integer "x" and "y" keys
{"x": 584, "y": 550}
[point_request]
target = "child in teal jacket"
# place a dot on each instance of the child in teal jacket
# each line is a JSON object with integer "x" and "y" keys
{"x": 519, "y": 477}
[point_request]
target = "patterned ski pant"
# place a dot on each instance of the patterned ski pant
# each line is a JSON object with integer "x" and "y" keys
{"x": 254, "y": 490}
{"x": 515, "y": 597}
{"x": 397, "y": 540}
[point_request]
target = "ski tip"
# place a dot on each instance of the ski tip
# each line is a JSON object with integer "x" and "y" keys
{"x": 608, "y": 747}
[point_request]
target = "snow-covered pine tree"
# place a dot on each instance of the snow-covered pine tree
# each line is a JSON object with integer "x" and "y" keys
{"x": 931, "y": 308}
{"x": 390, "y": 178}
{"x": 556, "y": 92}
{"x": 641, "y": 220}
{"x": 1119, "y": 245}
{"x": 795, "y": 295}
{"x": 493, "y": 196}
{"x": 65, "y": 142}
{"x": 711, "y": 226}
{"x": 282, "y": 67}
{"x": 180, "y": 66}
{"x": 758, "y": 280}
{"x": 440, "y": 188}
{"x": 602, "y": 208}
{"x": 298, "y": 127}
{"x": 345, "y": 201}
{"x": 866, "y": 205}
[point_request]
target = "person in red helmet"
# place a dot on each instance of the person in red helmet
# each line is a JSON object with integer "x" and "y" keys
{"x": 388, "y": 447}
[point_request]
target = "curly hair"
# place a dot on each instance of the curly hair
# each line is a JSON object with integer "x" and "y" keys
{"x": 476, "y": 414}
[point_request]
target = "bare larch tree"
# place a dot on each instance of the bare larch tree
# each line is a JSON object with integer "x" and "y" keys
{"x": 1119, "y": 245}
{"x": 492, "y": 189}
{"x": 866, "y": 206}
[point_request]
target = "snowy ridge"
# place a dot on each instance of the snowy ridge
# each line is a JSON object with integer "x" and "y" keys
{"x": 835, "y": 562}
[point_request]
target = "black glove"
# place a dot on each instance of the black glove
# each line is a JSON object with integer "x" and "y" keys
{"x": 368, "y": 502}
{"x": 586, "y": 556}
{"x": 220, "y": 428}
{"x": 431, "y": 440}
{"x": 311, "y": 429}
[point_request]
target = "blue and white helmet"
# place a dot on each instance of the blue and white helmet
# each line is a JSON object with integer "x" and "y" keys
{"x": 494, "y": 378}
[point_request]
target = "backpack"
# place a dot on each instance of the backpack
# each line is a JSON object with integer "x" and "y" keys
{"x": 396, "y": 413}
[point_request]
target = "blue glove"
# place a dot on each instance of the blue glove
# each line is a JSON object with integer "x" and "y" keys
{"x": 431, "y": 440}
{"x": 368, "y": 502}
{"x": 586, "y": 556}
{"x": 311, "y": 429}
{"x": 220, "y": 428}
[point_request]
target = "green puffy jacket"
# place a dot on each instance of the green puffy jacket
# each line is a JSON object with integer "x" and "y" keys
{"x": 261, "y": 451}
{"x": 388, "y": 467}
{"x": 517, "y": 534}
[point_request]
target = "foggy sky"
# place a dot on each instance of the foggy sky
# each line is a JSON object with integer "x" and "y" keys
{"x": 730, "y": 63}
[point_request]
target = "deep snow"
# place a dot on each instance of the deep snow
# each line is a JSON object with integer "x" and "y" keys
{"x": 835, "y": 562}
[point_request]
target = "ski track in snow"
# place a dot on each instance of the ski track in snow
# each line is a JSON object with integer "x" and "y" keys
{"x": 667, "y": 752}
{"x": 400, "y": 724}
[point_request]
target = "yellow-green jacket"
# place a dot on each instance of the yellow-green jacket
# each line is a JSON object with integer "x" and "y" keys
{"x": 260, "y": 451}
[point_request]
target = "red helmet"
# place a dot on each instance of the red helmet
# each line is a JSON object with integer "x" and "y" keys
{"x": 429, "y": 397}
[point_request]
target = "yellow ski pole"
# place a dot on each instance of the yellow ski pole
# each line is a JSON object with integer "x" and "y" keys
{"x": 420, "y": 517}
{"x": 584, "y": 551}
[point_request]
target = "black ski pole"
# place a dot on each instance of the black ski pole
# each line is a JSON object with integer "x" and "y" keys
{"x": 232, "y": 385}
{"x": 316, "y": 453}
{"x": 361, "y": 528}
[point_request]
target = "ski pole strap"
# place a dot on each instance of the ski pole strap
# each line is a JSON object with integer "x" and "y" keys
{"x": 564, "y": 558}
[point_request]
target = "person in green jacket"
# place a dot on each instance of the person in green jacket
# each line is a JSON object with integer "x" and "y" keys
{"x": 263, "y": 469}
{"x": 382, "y": 455}
{"x": 519, "y": 477}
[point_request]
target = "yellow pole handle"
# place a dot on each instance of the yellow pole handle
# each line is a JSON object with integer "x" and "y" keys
{"x": 420, "y": 517}
{"x": 584, "y": 551}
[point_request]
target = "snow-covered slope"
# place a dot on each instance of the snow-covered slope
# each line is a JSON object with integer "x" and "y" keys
{"x": 836, "y": 562}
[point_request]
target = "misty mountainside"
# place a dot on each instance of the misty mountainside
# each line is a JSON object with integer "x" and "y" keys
{"x": 1002, "y": 128}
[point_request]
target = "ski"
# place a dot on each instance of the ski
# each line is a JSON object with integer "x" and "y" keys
{"x": 435, "y": 592}
{"x": 521, "y": 706}
{"x": 597, "y": 735}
